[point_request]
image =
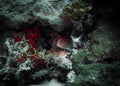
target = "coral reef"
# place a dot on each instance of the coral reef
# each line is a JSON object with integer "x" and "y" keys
{"x": 58, "y": 42}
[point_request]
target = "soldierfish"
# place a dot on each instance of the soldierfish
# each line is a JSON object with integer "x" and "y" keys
{"x": 64, "y": 42}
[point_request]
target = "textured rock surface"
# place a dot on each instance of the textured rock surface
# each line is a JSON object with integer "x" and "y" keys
{"x": 20, "y": 9}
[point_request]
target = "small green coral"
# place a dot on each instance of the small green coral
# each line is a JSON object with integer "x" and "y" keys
{"x": 76, "y": 9}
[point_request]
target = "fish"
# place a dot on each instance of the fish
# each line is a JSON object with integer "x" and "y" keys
{"x": 64, "y": 42}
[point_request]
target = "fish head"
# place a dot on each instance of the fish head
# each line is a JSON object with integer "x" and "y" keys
{"x": 63, "y": 41}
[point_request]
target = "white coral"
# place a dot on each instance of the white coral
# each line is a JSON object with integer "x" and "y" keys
{"x": 64, "y": 62}
{"x": 27, "y": 65}
{"x": 9, "y": 43}
{"x": 71, "y": 76}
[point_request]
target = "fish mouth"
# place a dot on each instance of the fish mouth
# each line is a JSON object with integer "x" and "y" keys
{"x": 58, "y": 45}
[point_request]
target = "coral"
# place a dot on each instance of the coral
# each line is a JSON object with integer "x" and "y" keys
{"x": 71, "y": 76}
{"x": 77, "y": 9}
{"x": 56, "y": 40}
{"x": 25, "y": 66}
{"x": 40, "y": 74}
{"x": 32, "y": 35}
{"x": 25, "y": 56}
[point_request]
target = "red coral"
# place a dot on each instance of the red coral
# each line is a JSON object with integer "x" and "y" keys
{"x": 38, "y": 61}
{"x": 17, "y": 37}
{"x": 32, "y": 35}
{"x": 22, "y": 58}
